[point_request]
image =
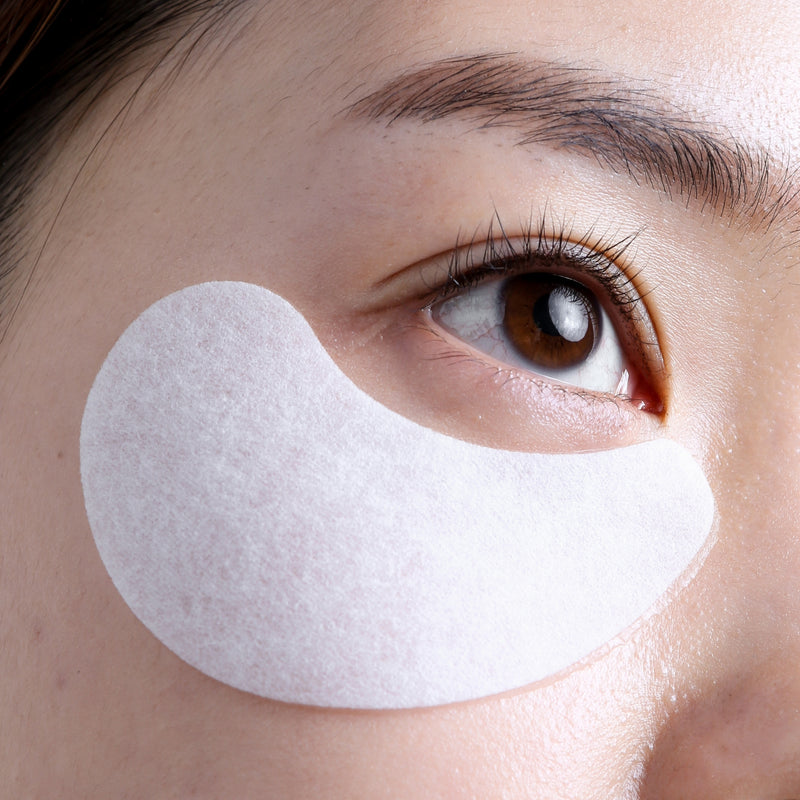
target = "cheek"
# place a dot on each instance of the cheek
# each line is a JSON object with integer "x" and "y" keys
{"x": 286, "y": 534}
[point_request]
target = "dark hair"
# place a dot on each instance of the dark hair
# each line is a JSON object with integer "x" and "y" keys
{"x": 55, "y": 57}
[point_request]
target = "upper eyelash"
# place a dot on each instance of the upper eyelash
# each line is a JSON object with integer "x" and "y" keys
{"x": 596, "y": 257}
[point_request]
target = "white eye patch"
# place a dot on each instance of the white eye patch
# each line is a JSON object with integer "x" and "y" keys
{"x": 286, "y": 534}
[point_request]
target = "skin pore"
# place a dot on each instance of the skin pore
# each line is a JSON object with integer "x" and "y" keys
{"x": 255, "y": 161}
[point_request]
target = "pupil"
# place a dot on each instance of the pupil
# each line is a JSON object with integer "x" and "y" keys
{"x": 541, "y": 315}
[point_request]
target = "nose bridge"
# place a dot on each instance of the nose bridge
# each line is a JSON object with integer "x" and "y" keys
{"x": 753, "y": 354}
{"x": 736, "y": 732}
{"x": 762, "y": 463}
{"x": 758, "y": 485}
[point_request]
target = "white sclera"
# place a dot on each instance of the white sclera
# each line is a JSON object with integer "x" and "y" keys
{"x": 286, "y": 534}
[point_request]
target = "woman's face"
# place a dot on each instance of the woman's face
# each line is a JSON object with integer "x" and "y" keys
{"x": 260, "y": 160}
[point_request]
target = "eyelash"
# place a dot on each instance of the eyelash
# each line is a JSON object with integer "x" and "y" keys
{"x": 502, "y": 256}
{"x": 598, "y": 261}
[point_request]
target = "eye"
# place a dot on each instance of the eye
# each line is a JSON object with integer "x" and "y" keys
{"x": 586, "y": 329}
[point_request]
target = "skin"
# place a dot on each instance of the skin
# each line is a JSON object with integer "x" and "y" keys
{"x": 243, "y": 167}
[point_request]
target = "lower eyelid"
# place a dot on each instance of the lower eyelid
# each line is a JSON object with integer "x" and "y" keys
{"x": 509, "y": 408}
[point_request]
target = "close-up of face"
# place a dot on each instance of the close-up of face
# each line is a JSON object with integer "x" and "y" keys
{"x": 400, "y": 400}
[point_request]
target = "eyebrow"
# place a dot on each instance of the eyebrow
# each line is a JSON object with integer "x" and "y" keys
{"x": 621, "y": 123}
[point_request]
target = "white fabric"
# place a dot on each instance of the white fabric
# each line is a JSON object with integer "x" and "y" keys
{"x": 286, "y": 534}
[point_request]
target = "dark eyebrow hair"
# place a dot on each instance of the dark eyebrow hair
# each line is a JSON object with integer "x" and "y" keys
{"x": 618, "y": 121}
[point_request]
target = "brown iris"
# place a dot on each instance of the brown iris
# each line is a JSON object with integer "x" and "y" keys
{"x": 550, "y": 320}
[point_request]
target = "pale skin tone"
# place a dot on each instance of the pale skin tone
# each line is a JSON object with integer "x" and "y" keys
{"x": 245, "y": 167}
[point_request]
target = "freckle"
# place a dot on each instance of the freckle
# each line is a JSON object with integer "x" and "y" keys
{"x": 60, "y": 454}
{"x": 61, "y": 681}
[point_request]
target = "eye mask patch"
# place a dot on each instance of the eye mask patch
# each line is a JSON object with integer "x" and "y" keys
{"x": 286, "y": 534}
